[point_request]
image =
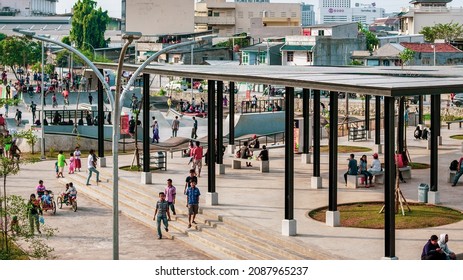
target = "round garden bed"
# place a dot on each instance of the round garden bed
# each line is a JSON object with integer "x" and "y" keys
{"x": 366, "y": 215}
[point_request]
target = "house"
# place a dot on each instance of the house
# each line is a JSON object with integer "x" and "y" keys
{"x": 323, "y": 44}
{"x": 260, "y": 54}
{"x": 425, "y": 54}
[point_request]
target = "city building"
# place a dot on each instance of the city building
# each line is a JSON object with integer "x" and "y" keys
{"x": 28, "y": 7}
{"x": 428, "y": 13}
{"x": 229, "y": 18}
{"x": 307, "y": 14}
{"x": 260, "y": 54}
{"x": 416, "y": 38}
{"x": 323, "y": 45}
{"x": 343, "y": 11}
{"x": 386, "y": 25}
{"x": 425, "y": 55}
{"x": 158, "y": 17}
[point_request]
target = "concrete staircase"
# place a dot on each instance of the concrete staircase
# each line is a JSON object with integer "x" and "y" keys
{"x": 217, "y": 236}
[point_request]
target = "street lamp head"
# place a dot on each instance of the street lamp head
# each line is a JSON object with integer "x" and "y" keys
{"x": 131, "y": 35}
{"x": 26, "y": 33}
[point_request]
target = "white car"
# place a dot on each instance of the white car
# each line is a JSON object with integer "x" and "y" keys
{"x": 175, "y": 85}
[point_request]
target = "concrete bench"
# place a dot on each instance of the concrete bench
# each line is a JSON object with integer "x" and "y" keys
{"x": 452, "y": 174}
{"x": 379, "y": 178}
{"x": 406, "y": 172}
{"x": 264, "y": 165}
{"x": 353, "y": 180}
{"x": 456, "y": 121}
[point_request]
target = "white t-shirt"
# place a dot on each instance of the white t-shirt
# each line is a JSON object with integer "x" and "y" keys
{"x": 90, "y": 161}
{"x": 376, "y": 165}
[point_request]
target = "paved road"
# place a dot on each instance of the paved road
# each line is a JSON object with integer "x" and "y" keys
{"x": 87, "y": 233}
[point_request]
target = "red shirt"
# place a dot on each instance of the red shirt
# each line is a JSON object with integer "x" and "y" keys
{"x": 198, "y": 153}
{"x": 2, "y": 121}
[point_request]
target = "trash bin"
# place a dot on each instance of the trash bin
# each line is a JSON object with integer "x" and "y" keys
{"x": 423, "y": 192}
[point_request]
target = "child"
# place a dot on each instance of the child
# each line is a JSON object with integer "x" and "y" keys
{"x": 56, "y": 169}
{"x": 72, "y": 166}
{"x": 46, "y": 199}
{"x": 14, "y": 225}
{"x": 162, "y": 213}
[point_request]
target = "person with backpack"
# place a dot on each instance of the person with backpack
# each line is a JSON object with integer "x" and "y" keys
{"x": 459, "y": 173}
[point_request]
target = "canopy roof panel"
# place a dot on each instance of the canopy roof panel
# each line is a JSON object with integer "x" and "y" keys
{"x": 382, "y": 81}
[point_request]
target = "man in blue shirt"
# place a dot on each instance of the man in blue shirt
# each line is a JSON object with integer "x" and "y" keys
{"x": 192, "y": 199}
{"x": 352, "y": 167}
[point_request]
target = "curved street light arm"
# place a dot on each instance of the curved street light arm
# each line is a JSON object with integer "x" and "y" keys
{"x": 87, "y": 61}
{"x": 146, "y": 63}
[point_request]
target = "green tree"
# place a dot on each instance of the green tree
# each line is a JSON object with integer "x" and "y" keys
{"x": 18, "y": 52}
{"x": 406, "y": 56}
{"x": 444, "y": 31}
{"x": 241, "y": 42}
{"x": 88, "y": 25}
{"x": 2, "y": 36}
{"x": 371, "y": 39}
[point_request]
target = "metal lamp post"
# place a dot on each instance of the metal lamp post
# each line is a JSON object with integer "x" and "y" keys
{"x": 116, "y": 134}
{"x": 42, "y": 132}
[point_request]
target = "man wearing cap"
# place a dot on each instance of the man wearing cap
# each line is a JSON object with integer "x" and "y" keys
{"x": 375, "y": 165}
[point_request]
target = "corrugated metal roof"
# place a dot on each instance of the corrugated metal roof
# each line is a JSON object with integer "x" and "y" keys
{"x": 380, "y": 81}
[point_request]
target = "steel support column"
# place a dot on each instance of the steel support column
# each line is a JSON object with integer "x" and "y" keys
{"x": 401, "y": 125}
{"x": 333, "y": 154}
{"x": 420, "y": 110}
{"x": 316, "y": 133}
{"x": 367, "y": 113}
{"x": 219, "y": 122}
{"x": 146, "y": 122}
{"x": 231, "y": 106}
{"x": 101, "y": 119}
{"x": 289, "y": 154}
{"x": 435, "y": 119}
{"x": 378, "y": 120}
{"x": 211, "y": 136}
{"x": 306, "y": 114}
{"x": 389, "y": 178}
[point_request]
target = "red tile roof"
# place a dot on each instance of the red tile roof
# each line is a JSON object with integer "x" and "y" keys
{"x": 428, "y": 48}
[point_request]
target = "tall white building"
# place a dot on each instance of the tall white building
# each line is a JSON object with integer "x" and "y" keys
{"x": 27, "y": 7}
{"x": 344, "y": 11}
{"x": 307, "y": 14}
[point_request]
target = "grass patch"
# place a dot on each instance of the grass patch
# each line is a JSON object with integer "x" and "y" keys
{"x": 366, "y": 215}
{"x": 342, "y": 149}
{"x": 457, "y": 137}
{"x": 419, "y": 165}
{"x": 136, "y": 168}
{"x": 15, "y": 252}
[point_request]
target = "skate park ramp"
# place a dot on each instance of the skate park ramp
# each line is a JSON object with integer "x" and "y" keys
{"x": 257, "y": 123}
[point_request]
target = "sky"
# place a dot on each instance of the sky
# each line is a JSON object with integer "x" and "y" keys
{"x": 114, "y": 6}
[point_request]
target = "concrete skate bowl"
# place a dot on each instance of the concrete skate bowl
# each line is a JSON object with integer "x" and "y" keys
{"x": 257, "y": 123}
{"x": 367, "y": 215}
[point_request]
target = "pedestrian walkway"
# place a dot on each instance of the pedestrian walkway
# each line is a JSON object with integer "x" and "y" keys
{"x": 252, "y": 203}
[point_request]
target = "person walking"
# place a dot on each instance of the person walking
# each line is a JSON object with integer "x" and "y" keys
{"x": 91, "y": 161}
{"x": 198, "y": 157}
{"x": 61, "y": 163}
{"x": 90, "y": 98}
{"x": 162, "y": 214}
{"x": 194, "y": 129}
{"x": 33, "y": 211}
{"x": 155, "y": 132}
{"x": 171, "y": 192}
{"x": 77, "y": 161}
{"x": 175, "y": 126}
{"x": 33, "y": 107}
{"x": 18, "y": 117}
{"x": 153, "y": 123}
{"x": 192, "y": 200}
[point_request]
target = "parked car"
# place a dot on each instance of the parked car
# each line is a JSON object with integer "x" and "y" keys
{"x": 458, "y": 99}
{"x": 175, "y": 85}
{"x": 413, "y": 99}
